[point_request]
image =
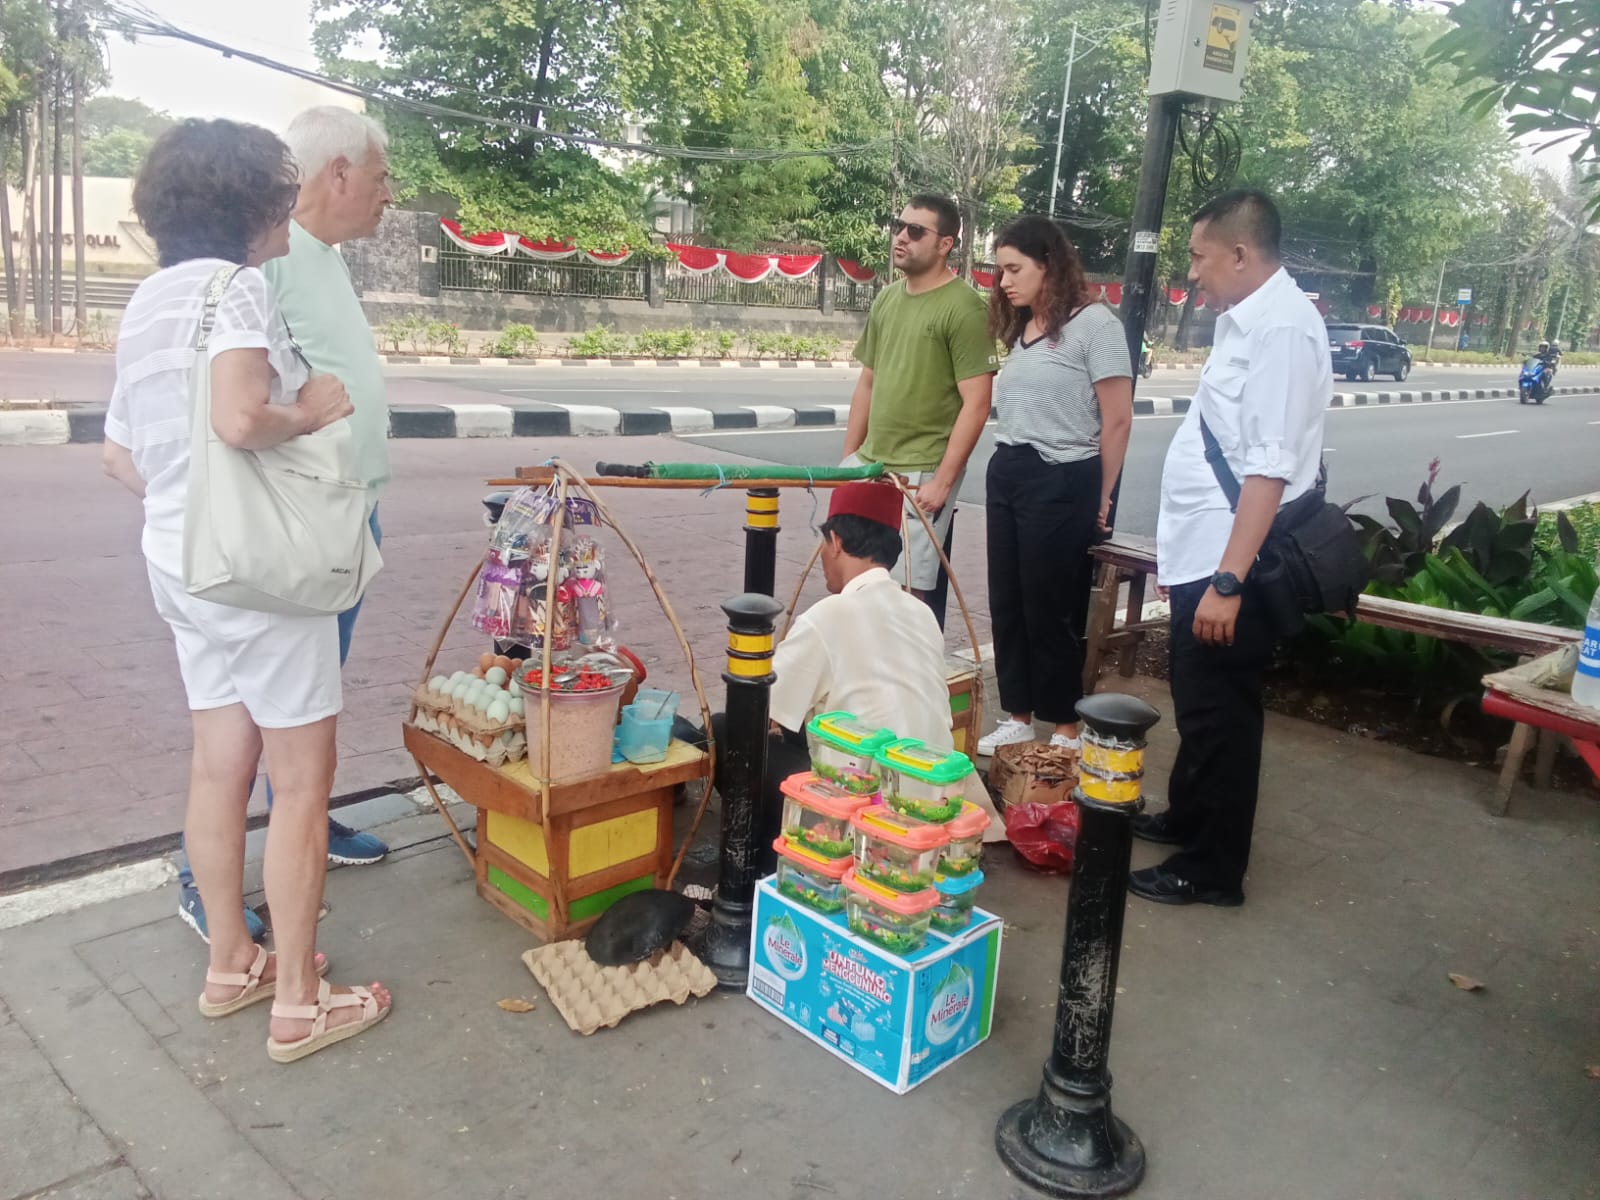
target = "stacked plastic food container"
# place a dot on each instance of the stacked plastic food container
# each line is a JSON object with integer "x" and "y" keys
{"x": 880, "y": 830}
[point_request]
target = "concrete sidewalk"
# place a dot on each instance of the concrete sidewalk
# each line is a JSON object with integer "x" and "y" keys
{"x": 1306, "y": 1046}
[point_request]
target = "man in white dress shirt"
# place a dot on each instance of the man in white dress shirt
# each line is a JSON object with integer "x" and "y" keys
{"x": 1263, "y": 395}
{"x": 869, "y": 648}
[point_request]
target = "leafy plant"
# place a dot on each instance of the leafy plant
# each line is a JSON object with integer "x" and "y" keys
{"x": 665, "y": 343}
{"x": 515, "y": 341}
{"x": 1576, "y": 530}
{"x": 395, "y": 330}
{"x": 1396, "y": 554}
{"x": 599, "y": 342}
{"x": 719, "y": 343}
{"x": 443, "y": 336}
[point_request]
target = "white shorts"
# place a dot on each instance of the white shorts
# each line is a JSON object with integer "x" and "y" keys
{"x": 919, "y": 554}
{"x": 284, "y": 670}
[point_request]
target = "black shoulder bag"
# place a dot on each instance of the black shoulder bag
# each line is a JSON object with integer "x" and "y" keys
{"x": 1311, "y": 562}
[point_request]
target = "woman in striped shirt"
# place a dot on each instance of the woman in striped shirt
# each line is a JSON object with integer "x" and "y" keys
{"x": 1064, "y": 400}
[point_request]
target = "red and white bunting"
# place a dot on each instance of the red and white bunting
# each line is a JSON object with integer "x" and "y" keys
{"x": 1177, "y": 296}
{"x": 747, "y": 268}
{"x": 1374, "y": 311}
{"x": 488, "y": 244}
{"x": 984, "y": 279}
{"x": 1113, "y": 293}
{"x": 854, "y": 270}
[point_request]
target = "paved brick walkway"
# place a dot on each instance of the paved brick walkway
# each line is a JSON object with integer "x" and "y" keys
{"x": 94, "y": 735}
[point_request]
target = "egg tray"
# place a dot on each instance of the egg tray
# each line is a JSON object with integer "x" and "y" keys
{"x": 495, "y": 753}
{"x": 469, "y": 716}
{"x": 590, "y": 997}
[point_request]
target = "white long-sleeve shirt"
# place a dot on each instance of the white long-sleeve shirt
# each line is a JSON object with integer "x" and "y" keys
{"x": 1264, "y": 393}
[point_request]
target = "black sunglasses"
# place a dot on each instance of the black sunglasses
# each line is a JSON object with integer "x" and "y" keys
{"x": 917, "y": 232}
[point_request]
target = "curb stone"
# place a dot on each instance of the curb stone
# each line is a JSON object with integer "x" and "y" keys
{"x": 85, "y": 423}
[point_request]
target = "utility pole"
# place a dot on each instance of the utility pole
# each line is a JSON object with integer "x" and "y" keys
{"x": 1438, "y": 295}
{"x": 1066, "y": 91}
{"x": 1061, "y": 125}
{"x": 1155, "y": 168}
{"x": 1561, "y": 321}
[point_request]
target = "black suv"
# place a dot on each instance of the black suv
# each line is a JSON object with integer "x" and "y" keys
{"x": 1362, "y": 351}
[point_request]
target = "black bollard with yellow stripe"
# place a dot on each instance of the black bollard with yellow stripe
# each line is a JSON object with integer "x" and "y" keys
{"x": 1065, "y": 1141}
{"x": 761, "y": 541}
{"x": 743, "y": 755}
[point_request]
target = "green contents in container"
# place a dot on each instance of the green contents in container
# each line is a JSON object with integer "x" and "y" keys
{"x": 922, "y": 809}
{"x": 946, "y": 921}
{"x": 957, "y": 866}
{"x": 825, "y": 846}
{"x": 889, "y": 939}
{"x": 809, "y": 896}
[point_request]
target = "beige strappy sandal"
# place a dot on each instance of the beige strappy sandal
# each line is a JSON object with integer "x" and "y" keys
{"x": 321, "y": 1036}
{"x": 255, "y": 988}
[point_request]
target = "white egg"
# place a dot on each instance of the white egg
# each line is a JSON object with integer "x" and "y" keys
{"x": 499, "y": 712}
{"x": 438, "y": 683}
{"x": 515, "y": 704}
{"x": 496, "y": 675}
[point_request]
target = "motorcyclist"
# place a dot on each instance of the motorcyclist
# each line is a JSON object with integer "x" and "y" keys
{"x": 1550, "y": 352}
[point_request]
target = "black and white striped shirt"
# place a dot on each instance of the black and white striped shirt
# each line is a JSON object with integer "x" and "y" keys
{"x": 1044, "y": 395}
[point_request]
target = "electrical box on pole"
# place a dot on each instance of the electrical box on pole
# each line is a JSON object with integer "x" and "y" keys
{"x": 1201, "y": 47}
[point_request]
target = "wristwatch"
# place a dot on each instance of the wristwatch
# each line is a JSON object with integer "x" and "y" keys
{"x": 1226, "y": 583}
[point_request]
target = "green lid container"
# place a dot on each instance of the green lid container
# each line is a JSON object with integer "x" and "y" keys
{"x": 916, "y": 759}
{"x": 843, "y": 731}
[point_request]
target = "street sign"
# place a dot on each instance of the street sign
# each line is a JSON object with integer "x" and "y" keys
{"x": 1464, "y": 296}
{"x": 1146, "y": 242}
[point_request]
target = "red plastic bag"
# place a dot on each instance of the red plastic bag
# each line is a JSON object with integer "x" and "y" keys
{"x": 1044, "y": 834}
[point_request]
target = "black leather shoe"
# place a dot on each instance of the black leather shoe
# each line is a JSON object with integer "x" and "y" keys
{"x": 1165, "y": 887}
{"x": 1152, "y": 827}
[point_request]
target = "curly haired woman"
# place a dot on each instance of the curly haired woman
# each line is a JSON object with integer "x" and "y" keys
{"x": 1064, "y": 401}
{"x": 215, "y": 196}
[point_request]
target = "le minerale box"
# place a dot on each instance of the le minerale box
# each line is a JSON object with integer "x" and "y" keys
{"x": 899, "y": 1020}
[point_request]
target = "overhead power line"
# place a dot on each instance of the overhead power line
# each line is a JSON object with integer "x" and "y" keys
{"x": 134, "y": 20}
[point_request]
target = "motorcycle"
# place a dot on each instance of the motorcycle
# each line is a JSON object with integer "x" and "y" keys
{"x": 1537, "y": 380}
{"x": 1147, "y": 362}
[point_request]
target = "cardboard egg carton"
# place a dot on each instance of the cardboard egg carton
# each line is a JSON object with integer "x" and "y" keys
{"x": 589, "y": 996}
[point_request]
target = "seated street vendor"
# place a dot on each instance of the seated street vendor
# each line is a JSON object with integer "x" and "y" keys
{"x": 870, "y": 648}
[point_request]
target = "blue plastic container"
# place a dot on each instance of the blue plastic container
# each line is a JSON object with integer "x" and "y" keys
{"x": 650, "y": 701}
{"x": 641, "y": 740}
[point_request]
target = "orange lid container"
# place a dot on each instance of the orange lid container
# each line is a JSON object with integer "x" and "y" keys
{"x": 969, "y": 822}
{"x": 819, "y": 795}
{"x": 905, "y": 904}
{"x": 815, "y": 864}
{"x": 885, "y": 824}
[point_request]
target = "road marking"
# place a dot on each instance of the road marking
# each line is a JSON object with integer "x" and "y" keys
{"x": 600, "y": 391}
{"x": 1464, "y": 437}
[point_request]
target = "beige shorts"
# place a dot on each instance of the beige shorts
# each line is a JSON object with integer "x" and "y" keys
{"x": 919, "y": 556}
{"x": 284, "y": 670}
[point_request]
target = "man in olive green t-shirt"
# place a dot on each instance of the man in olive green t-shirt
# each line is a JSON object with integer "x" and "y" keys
{"x": 928, "y": 367}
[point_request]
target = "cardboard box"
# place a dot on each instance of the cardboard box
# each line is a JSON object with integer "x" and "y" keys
{"x": 1031, "y": 773}
{"x": 899, "y": 1020}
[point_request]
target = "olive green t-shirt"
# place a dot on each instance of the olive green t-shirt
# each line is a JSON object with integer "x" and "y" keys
{"x": 918, "y": 348}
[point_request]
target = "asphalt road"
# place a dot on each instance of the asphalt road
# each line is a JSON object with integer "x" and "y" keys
{"x": 88, "y": 378}
{"x": 1496, "y": 449}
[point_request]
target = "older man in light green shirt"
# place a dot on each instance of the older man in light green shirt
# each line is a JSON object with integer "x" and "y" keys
{"x": 344, "y": 188}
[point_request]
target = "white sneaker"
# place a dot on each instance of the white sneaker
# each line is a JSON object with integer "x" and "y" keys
{"x": 1061, "y": 741}
{"x": 1007, "y": 733}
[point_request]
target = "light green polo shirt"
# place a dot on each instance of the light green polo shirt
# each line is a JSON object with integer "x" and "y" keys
{"x": 312, "y": 284}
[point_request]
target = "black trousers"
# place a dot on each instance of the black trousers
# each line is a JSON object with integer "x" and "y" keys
{"x": 786, "y": 755}
{"x": 1042, "y": 521}
{"x": 1216, "y": 701}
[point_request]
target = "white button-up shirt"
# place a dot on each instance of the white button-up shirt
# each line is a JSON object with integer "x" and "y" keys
{"x": 872, "y": 650}
{"x": 1264, "y": 393}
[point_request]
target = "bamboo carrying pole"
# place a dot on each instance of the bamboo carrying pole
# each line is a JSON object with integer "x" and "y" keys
{"x": 411, "y": 715}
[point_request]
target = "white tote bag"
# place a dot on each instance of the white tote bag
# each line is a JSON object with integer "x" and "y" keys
{"x": 283, "y": 530}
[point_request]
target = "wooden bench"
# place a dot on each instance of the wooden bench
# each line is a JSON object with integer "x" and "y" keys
{"x": 1132, "y": 560}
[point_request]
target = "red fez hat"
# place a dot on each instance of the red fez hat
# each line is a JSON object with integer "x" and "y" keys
{"x": 878, "y": 502}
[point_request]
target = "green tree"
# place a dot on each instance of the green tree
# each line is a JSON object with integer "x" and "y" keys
{"x": 1539, "y": 60}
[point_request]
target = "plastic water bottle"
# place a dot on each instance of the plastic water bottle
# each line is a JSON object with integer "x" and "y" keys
{"x": 1586, "y": 682}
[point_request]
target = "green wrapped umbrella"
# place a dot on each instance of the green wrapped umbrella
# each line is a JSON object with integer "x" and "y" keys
{"x": 714, "y": 473}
